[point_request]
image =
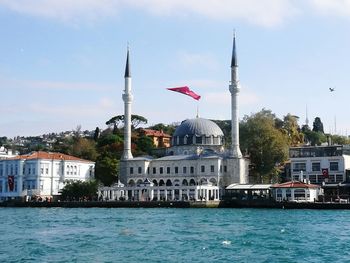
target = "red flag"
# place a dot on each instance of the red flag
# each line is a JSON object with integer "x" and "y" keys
{"x": 325, "y": 172}
{"x": 11, "y": 182}
{"x": 186, "y": 90}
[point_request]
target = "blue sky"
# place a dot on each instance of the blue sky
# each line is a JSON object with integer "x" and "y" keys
{"x": 62, "y": 62}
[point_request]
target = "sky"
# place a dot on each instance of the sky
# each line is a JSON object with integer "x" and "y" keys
{"x": 62, "y": 62}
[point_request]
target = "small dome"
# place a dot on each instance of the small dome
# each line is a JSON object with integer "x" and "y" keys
{"x": 198, "y": 127}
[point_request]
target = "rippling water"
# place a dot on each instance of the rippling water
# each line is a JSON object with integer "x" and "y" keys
{"x": 173, "y": 235}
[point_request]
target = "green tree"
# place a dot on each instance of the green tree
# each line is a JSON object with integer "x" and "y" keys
{"x": 97, "y": 134}
{"x": 169, "y": 129}
{"x": 291, "y": 128}
{"x": 75, "y": 190}
{"x": 107, "y": 169}
{"x": 84, "y": 148}
{"x": 340, "y": 140}
{"x": 144, "y": 145}
{"x": 266, "y": 145}
{"x": 314, "y": 138}
{"x": 318, "y": 125}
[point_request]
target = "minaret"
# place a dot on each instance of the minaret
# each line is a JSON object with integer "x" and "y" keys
{"x": 127, "y": 98}
{"x": 234, "y": 89}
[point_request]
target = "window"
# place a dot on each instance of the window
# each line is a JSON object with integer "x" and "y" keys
{"x": 220, "y": 168}
{"x": 225, "y": 169}
{"x": 297, "y": 167}
{"x": 139, "y": 170}
{"x": 154, "y": 170}
{"x": 184, "y": 169}
{"x": 131, "y": 170}
{"x": 176, "y": 169}
{"x": 33, "y": 170}
{"x": 316, "y": 167}
{"x": 42, "y": 170}
{"x": 299, "y": 194}
{"x": 161, "y": 170}
{"x": 333, "y": 166}
{"x": 202, "y": 168}
{"x": 192, "y": 170}
{"x": 168, "y": 170}
{"x": 29, "y": 170}
{"x": 212, "y": 168}
{"x": 147, "y": 170}
{"x": 47, "y": 171}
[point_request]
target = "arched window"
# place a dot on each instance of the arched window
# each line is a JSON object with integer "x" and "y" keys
{"x": 139, "y": 182}
{"x": 161, "y": 182}
{"x": 155, "y": 183}
{"x": 131, "y": 183}
{"x": 213, "y": 181}
{"x": 169, "y": 183}
{"x": 176, "y": 182}
{"x": 184, "y": 182}
{"x": 192, "y": 182}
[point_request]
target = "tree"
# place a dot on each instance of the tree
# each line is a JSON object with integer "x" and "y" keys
{"x": 314, "y": 138}
{"x": 85, "y": 149}
{"x": 107, "y": 169}
{"x": 318, "y": 125}
{"x": 144, "y": 144}
{"x": 136, "y": 120}
{"x": 266, "y": 145}
{"x": 96, "y": 134}
{"x": 340, "y": 140}
{"x": 291, "y": 128}
{"x": 77, "y": 190}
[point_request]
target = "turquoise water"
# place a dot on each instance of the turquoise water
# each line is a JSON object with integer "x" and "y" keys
{"x": 173, "y": 235}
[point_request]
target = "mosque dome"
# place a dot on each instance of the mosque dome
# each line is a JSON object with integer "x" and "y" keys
{"x": 198, "y": 131}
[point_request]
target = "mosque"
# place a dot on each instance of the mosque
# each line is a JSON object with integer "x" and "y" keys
{"x": 196, "y": 167}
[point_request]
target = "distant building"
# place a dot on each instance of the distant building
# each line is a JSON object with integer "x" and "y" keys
{"x": 7, "y": 153}
{"x": 41, "y": 174}
{"x": 159, "y": 138}
{"x": 319, "y": 164}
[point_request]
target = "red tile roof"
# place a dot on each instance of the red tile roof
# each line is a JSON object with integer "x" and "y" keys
{"x": 48, "y": 156}
{"x": 149, "y": 132}
{"x": 295, "y": 184}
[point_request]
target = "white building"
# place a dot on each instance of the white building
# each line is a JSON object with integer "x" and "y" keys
{"x": 7, "y": 153}
{"x": 196, "y": 166}
{"x": 319, "y": 164}
{"x": 41, "y": 174}
{"x": 295, "y": 191}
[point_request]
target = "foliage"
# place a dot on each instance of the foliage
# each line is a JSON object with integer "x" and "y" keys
{"x": 107, "y": 169}
{"x": 116, "y": 121}
{"x": 340, "y": 140}
{"x": 318, "y": 125}
{"x": 144, "y": 145}
{"x": 85, "y": 149}
{"x": 97, "y": 134}
{"x": 75, "y": 190}
{"x": 266, "y": 145}
{"x": 291, "y": 128}
{"x": 314, "y": 138}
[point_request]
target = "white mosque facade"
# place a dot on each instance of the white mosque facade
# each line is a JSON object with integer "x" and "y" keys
{"x": 196, "y": 167}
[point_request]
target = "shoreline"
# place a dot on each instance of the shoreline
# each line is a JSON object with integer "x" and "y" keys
{"x": 177, "y": 204}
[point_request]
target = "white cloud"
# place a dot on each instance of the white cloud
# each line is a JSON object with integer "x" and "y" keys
{"x": 265, "y": 13}
{"x": 332, "y": 7}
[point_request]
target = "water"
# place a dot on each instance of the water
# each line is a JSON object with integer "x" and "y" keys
{"x": 173, "y": 235}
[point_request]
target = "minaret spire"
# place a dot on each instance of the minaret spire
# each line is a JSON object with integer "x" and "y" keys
{"x": 127, "y": 98}
{"x": 234, "y": 89}
{"x": 127, "y": 67}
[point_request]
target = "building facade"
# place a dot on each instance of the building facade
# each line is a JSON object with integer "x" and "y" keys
{"x": 41, "y": 174}
{"x": 319, "y": 164}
